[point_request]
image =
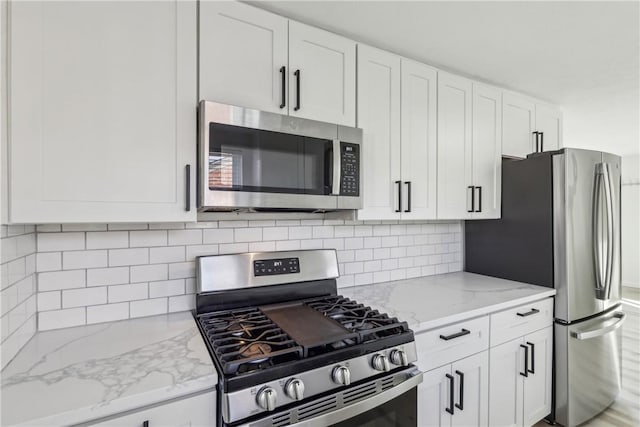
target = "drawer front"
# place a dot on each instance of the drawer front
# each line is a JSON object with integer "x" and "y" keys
{"x": 518, "y": 321}
{"x": 453, "y": 342}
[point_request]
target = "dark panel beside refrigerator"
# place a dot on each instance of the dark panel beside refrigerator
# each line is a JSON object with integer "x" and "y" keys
{"x": 519, "y": 246}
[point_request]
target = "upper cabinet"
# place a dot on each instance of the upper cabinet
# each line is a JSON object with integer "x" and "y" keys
{"x": 322, "y": 75}
{"x": 255, "y": 59}
{"x": 397, "y": 112}
{"x": 529, "y": 126}
{"x": 102, "y": 124}
{"x": 243, "y": 56}
{"x": 469, "y": 149}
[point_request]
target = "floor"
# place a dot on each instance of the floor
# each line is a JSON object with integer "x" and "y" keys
{"x": 625, "y": 412}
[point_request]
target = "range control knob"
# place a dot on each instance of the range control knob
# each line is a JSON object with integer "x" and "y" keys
{"x": 341, "y": 375}
{"x": 399, "y": 357}
{"x": 266, "y": 398}
{"x": 380, "y": 362}
{"x": 294, "y": 388}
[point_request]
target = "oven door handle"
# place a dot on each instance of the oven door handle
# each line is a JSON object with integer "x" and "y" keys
{"x": 337, "y": 168}
{"x": 414, "y": 378}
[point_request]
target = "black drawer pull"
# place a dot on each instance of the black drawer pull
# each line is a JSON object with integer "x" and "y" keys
{"x": 526, "y": 361}
{"x": 451, "y": 385}
{"x": 529, "y": 313}
{"x": 461, "y": 391}
{"x": 187, "y": 194}
{"x": 145, "y": 423}
{"x": 462, "y": 333}
{"x": 533, "y": 358}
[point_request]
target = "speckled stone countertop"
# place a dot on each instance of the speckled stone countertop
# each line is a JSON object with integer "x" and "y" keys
{"x": 74, "y": 375}
{"x": 433, "y": 301}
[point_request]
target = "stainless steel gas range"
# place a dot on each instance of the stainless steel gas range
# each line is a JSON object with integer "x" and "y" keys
{"x": 289, "y": 349}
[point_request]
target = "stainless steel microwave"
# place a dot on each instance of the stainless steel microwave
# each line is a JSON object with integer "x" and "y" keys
{"x": 250, "y": 159}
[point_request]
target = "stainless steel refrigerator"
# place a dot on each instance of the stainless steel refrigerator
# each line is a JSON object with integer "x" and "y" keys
{"x": 560, "y": 227}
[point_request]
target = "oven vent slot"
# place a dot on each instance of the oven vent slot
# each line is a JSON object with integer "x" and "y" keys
{"x": 281, "y": 420}
{"x": 359, "y": 393}
{"x": 316, "y": 408}
{"x": 387, "y": 383}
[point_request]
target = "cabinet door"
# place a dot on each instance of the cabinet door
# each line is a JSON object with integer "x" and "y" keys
{"x": 419, "y": 143}
{"x": 195, "y": 411}
{"x": 487, "y": 151}
{"x": 537, "y": 386}
{"x": 506, "y": 362}
{"x": 471, "y": 391}
{"x": 549, "y": 122}
{"x": 242, "y": 52}
{"x": 434, "y": 398}
{"x": 454, "y": 146}
{"x": 379, "y": 118}
{"x": 103, "y": 111}
{"x": 518, "y": 121}
{"x": 322, "y": 75}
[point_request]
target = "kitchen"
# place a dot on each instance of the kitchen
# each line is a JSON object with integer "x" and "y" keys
{"x": 349, "y": 187}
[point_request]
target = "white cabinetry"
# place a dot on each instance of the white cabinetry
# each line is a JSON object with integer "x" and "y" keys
{"x": 102, "y": 111}
{"x": 322, "y": 75}
{"x": 243, "y": 56}
{"x": 469, "y": 149}
{"x": 520, "y": 369}
{"x": 194, "y": 411}
{"x": 397, "y": 112}
{"x": 529, "y": 126}
{"x": 255, "y": 59}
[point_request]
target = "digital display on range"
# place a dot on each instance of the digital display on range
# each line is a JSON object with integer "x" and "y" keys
{"x": 270, "y": 267}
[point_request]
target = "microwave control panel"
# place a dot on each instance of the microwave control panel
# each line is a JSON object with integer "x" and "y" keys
{"x": 350, "y": 173}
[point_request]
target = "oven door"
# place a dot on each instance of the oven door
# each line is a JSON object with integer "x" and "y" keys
{"x": 253, "y": 159}
{"x": 388, "y": 401}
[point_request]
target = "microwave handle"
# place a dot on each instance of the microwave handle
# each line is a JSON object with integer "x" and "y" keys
{"x": 337, "y": 168}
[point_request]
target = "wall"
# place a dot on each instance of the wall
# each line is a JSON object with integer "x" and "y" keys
{"x": 97, "y": 273}
{"x": 18, "y": 288}
{"x": 631, "y": 221}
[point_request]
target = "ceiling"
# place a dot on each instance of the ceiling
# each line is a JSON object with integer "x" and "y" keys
{"x": 583, "y": 56}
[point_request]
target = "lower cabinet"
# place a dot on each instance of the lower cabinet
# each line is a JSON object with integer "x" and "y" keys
{"x": 456, "y": 394}
{"x": 520, "y": 379}
{"x": 194, "y": 411}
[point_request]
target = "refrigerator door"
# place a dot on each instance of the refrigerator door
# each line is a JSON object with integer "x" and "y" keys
{"x": 588, "y": 367}
{"x": 586, "y": 210}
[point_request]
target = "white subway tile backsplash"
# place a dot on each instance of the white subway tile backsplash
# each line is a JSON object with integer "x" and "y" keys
{"x": 147, "y": 238}
{"x": 84, "y": 259}
{"x": 57, "y": 319}
{"x": 121, "y": 257}
{"x": 49, "y": 242}
{"x": 84, "y": 297}
{"x": 150, "y": 268}
{"x": 107, "y": 240}
{"x": 57, "y": 280}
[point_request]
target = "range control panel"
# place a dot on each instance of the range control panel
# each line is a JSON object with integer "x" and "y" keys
{"x": 350, "y": 173}
{"x": 272, "y": 267}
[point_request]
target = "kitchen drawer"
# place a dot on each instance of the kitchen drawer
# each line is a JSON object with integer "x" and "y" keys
{"x": 196, "y": 411}
{"x": 462, "y": 339}
{"x": 518, "y": 321}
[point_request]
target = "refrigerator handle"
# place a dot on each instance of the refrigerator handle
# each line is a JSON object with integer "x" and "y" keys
{"x": 602, "y": 331}
{"x": 596, "y": 234}
{"x": 608, "y": 191}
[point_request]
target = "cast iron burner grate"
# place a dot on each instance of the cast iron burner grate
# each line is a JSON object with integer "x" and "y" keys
{"x": 246, "y": 340}
{"x": 370, "y": 324}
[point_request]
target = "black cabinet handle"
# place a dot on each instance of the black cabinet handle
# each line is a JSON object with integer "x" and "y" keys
{"x": 399, "y": 184}
{"x": 460, "y": 405}
{"x": 529, "y": 313}
{"x": 145, "y": 423}
{"x": 451, "y": 385}
{"x": 533, "y": 358}
{"x": 541, "y": 142}
{"x": 462, "y": 333}
{"x": 187, "y": 196}
{"x": 535, "y": 133}
{"x": 526, "y": 360}
{"x": 408, "y": 196}
{"x": 473, "y": 193}
{"x": 479, "y": 199}
{"x": 297, "y": 74}
{"x": 283, "y": 75}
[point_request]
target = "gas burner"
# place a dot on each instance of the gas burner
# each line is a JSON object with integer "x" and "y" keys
{"x": 256, "y": 349}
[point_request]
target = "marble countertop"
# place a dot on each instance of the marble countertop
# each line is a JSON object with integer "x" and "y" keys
{"x": 74, "y": 375}
{"x": 433, "y": 301}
